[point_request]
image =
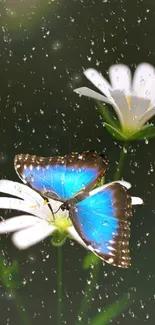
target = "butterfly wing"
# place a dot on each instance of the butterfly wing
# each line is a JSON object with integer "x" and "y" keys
{"x": 101, "y": 221}
{"x": 60, "y": 177}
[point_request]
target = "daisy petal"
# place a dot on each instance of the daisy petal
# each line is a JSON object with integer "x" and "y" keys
{"x": 32, "y": 235}
{"x": 146, "y": 116}
{"x": 136, "y": 200}
{"x": 91, "y": 93}
{"x": 75, "y": 236}
{"x": 121, "y": 107}
{"x": 120, "y": 77}
{"x": 123, "y": 183}
{"x": 37, "y": 210}
{"x": 98, "y": 81}
{"x": 17, "y": 223}
{"x": 20, "y": 190}
{"x": 138, "y": 106}
{"x": 144, "y": 81}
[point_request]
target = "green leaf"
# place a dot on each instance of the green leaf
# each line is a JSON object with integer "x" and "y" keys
{"x": 147, "y": 132}
{"x": 111, "y": 312}
{"x": 116, "y": 133}
{"x": 107, "y": 115}
{"x": 89, "y": 260}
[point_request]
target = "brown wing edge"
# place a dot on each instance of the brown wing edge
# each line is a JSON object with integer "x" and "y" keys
{"x": 87, "y": 158}
{"x": 119, "y": 245}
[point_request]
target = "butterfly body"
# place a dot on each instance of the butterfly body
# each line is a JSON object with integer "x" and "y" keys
{"x": 100, "y": 216}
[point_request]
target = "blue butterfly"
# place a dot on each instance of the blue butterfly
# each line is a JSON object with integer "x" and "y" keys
{"x": 98, "y": 215}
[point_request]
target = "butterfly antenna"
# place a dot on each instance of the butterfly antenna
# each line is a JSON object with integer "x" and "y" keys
{"x": 56, "y": 210}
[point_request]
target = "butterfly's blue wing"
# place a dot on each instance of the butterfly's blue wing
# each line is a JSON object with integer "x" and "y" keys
{"x": 101, "y": 221}
{"x": 60, "y": 177}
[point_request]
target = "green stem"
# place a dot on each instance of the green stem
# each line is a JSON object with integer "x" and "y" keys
{"x": 121, "y": 161}
{"x": 88, "y": 294}
{"x": 59, "y": 301}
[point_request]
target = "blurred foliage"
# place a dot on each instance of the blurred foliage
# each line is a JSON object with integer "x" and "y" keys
{"x": 89, "y": 260}
{"x": 9, "y": 274}
{"x": 111, "y": 312}
{"x": 15, "y": 15}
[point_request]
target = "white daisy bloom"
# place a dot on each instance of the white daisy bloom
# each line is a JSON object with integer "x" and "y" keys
{"x": 39, "y": 222}
{"x": 132, "y": 100}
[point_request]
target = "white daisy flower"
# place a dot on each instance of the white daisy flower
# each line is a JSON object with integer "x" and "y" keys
{"x": 39, "y": 222}
{"x": 132, "y": 100}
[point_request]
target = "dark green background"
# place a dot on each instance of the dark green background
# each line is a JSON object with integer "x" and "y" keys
{"x": 43, "y": 48}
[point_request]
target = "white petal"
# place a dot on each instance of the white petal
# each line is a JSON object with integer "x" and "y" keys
{"x": 138, "y": 106}
{"x": 20, "y": 190}
{"x": 17, "y": 223}
{"x": 98, "y": 81}
{"x": 41, "y": 211}
{"x": 122, "y": 109}
{"x": 91, "y": 93}
{"x": 120, "y": 77}
{"x": 124, "y": 183}
{"x": 75, "y": 235}
{"x": 98, "y": 189}
{"x": 146, "y": 116}
{"x": 33, "y": 235}
{"x": 144, "y": 81}
{"x": 25, "y": 193}
{"x": 136, "y": 200}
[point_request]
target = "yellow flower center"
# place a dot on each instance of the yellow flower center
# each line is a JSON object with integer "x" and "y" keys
{"x": 62, "y": 223}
